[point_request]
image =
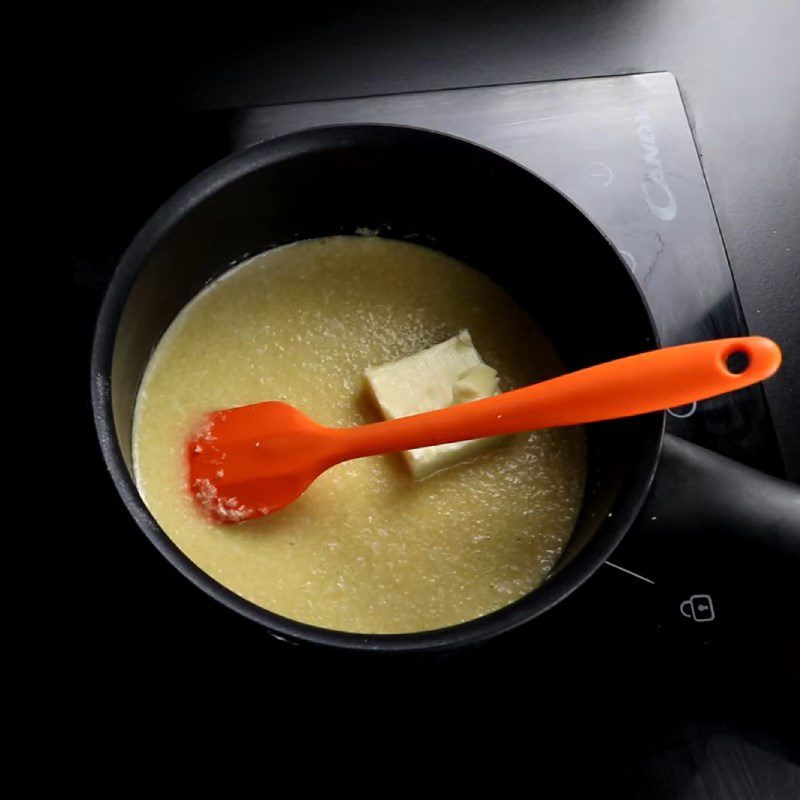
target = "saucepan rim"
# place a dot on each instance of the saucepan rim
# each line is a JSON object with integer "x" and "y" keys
{"x": 207, "y": 183}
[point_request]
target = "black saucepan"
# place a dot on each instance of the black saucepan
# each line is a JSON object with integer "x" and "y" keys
{"x": 496, "y": 216}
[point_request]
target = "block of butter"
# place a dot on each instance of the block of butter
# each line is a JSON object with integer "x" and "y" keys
{"x": 446, "y": 374}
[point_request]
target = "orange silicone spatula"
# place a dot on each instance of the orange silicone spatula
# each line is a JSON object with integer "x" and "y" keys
{"x": 249, "y": 461}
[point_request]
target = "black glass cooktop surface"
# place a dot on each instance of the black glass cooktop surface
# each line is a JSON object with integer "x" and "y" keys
{"x": 681, "y": 633}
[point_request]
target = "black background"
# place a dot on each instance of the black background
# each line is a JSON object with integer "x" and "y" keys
{"x": 641, "y": 717}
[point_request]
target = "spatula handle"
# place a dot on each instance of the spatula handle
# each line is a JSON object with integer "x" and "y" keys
{"x": 639, "y": 384}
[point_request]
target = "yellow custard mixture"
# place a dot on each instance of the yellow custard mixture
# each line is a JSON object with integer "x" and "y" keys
{"x": 366, "y": 548}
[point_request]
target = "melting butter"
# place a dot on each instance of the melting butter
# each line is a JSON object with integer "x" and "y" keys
{"x": 446, "y": 374}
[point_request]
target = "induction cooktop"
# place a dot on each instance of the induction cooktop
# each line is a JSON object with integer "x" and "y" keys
{"x": 622, "y": 149}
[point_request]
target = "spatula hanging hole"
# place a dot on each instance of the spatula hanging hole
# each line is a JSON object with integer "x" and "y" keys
{"x": 737, "y": 362}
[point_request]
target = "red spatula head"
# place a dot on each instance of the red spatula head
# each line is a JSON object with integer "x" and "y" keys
{"x": 249, "y": 461}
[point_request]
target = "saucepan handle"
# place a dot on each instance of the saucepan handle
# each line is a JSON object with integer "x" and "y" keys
{"x": 698, "y": 491}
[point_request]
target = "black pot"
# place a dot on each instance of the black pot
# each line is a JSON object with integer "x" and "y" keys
{"x": 494, "y": 215}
